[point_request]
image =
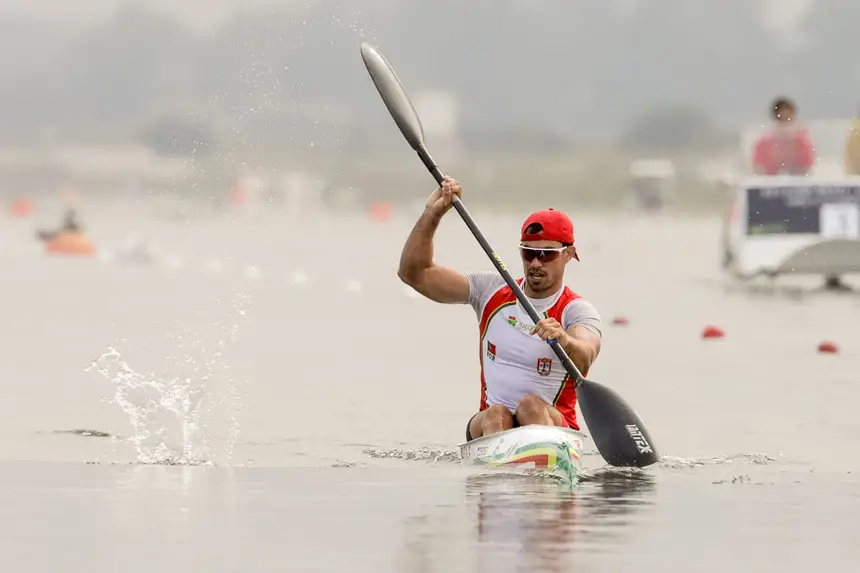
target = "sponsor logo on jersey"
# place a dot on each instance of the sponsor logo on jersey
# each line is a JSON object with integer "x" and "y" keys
{"x": 521, "y": 326}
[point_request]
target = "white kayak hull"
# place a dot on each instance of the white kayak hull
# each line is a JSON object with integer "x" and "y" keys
{"x": 544, "y": 448}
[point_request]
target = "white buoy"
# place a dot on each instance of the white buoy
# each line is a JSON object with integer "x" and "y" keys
{"x": 300, "y": 278}
{"x": 106, "y": 256}
{"x": 174, "y": 262}
{"x": 353, "y": 285}
{"x": 214, "y": 266}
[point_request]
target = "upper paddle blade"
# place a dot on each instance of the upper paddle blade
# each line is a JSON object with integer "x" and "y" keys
{"x": 395, "y": 98}
{"x": 617, "y": 430}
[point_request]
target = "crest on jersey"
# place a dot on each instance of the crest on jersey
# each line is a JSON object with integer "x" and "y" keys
{"x": 491, "y": 351}
{"x": 544, "y": 366}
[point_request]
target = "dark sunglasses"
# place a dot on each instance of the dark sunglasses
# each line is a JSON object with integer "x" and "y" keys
{"x": 543, "y": 255}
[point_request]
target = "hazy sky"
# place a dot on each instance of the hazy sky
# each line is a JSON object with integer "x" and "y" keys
{"x": 196, "y": 13}
{"x": 202, "y": 14}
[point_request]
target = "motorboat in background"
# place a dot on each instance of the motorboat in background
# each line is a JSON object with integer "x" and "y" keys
{"x": 793, "y": 225}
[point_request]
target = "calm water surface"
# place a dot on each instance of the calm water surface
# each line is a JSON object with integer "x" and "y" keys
{"x": 275, "y": 400}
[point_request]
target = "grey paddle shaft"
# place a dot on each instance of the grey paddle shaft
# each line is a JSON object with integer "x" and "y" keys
{"x": 500, "y": 266}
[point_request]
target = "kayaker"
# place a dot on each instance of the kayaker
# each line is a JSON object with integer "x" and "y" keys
{"x": 70, "y": 224}
{"x": 522, "y": 380}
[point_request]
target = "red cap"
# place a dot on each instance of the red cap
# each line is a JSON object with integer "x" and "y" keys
{"x": 555, "y": 226}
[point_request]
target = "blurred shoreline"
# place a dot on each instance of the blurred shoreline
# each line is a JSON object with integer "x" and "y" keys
{"x": 595, "y": 180}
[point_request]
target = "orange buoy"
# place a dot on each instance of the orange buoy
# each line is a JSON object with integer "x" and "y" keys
{"x": 380, "y": 211}
{"x": 713, "y": 332}
{"x": 70, "y": 244}
{"x": 828, "y": 347}
{"x": 620, "y": 321}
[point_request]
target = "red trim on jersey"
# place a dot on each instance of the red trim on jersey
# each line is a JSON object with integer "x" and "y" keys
{"x": 500, "y": 297}
{"x": 565, "y": 402}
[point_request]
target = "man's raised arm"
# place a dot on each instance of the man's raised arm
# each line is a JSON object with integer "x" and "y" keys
{"x": 417, "y": 269}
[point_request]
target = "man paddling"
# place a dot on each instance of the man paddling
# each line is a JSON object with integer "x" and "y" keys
{"x": 522, "y": 380}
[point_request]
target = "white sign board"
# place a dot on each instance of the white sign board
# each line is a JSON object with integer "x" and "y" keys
{"x": 840, "y": 220}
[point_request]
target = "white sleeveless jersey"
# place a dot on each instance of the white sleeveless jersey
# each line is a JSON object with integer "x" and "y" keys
{"x": 515, "y": 363}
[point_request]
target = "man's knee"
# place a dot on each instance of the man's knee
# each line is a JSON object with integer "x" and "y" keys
{"x": 534, "y": 410}
{"x": 494, "y": 419}
{"x": 531, "y": 406}
{"x": 499, "y": 414}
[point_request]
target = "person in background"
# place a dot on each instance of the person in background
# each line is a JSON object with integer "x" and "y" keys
{"x": 70, "y": 224}
{"x": 787, "y": 148}
{"x": 852, "y": 149}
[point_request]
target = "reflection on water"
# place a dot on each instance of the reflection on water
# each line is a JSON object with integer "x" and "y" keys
{"x": 526, "y": 523}
{"x": 169, "y": 506}
{"x": 610, "y": 502}
{"x": 428, "y": 519}
{"x": 536, "y": 524}
{"x": 616, "y": 492}
{"x": 522, "y": 523}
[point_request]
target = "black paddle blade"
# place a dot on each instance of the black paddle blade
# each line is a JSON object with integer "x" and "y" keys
{"x": 390, "y": 89}
{"x": 617, "y": 430}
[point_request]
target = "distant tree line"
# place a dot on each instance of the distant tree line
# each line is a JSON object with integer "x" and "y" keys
{"x": 671, "y": 74}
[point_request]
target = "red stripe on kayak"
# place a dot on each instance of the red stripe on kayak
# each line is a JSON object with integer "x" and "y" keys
{"x": 540, "y": 460}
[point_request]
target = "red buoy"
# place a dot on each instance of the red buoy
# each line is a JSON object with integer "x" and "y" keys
{"x": 21, "y": 208}
{"x": 713, "y": 332}
{"x": 828, "y": 347}
{"x": 620, "y": 321}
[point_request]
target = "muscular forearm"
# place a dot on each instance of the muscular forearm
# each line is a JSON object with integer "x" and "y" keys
{"x": 580, "y": 352}
{"x": 417, "y": 255}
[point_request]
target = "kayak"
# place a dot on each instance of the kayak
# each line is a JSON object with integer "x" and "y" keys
{"x": 549, "y": 449}
{"x": 68, "y": 243}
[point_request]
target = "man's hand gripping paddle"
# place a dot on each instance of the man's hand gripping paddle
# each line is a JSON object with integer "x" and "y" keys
{"x": 617, "y": 431}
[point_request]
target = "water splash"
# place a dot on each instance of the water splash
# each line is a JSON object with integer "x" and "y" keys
{"x": 423, "y": 454}
{"x": 674, "y": 462}
{"x": 170, "y": 415}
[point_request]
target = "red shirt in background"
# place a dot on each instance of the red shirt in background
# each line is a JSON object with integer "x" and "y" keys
{"x": 783, "y": 151}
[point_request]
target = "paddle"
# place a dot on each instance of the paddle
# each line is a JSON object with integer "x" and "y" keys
{"x": 617, "y": 431}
